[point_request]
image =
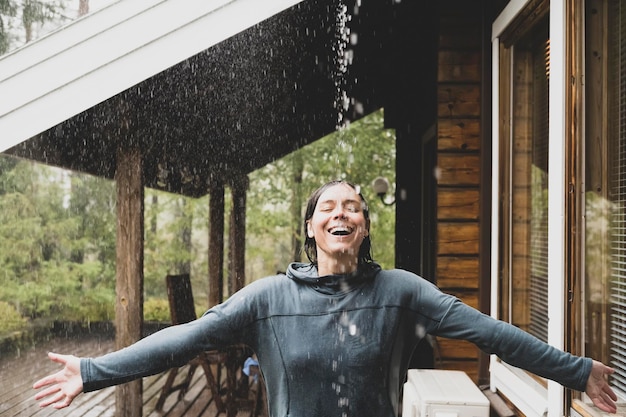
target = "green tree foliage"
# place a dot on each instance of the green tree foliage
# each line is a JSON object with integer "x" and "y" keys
{"x": 58, "y": 228}
{"x": 357, "y": 154}
{"x": 11, "y": 318}
{"x": 8, "y": 10}
{"x": 57, "y": 249}
{"x": 38, "y": 12}
{"x": 176, "y": 235}
{"x": 19, "y": 20}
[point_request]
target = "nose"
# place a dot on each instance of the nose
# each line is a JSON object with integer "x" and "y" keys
{"x": 339, "y": 213}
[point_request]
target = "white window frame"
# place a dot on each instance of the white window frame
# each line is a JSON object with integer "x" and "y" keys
{"x": 528, "y": 395}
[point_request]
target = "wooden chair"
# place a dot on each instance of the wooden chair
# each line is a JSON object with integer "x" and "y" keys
{"x": 182, "y": 310}
{"x": 227, "y": 400}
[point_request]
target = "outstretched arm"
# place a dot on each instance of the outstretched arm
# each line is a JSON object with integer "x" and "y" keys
{"x": 522, "y": 350}
{"x": 63, "y": 386}
{"x": 598, "y": 388}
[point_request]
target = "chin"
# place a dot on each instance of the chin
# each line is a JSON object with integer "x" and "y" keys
{"x": 348, "y": 253}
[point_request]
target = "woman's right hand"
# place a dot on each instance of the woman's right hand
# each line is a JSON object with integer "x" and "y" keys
{"x": 62, "y": 387}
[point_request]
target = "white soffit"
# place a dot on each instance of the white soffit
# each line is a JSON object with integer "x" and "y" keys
{"x": 98, "y": 56}
{"x": 511, "y": 10}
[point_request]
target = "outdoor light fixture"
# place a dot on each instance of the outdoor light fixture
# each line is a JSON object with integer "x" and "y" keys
{"x": 381, "y": 187}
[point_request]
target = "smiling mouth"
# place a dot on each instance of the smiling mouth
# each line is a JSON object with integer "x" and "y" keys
{"x": 340, "y": 231}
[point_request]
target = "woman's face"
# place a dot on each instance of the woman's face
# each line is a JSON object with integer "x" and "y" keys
{"x": 338, "y": 226}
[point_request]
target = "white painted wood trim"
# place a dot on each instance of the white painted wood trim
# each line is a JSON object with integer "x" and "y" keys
{"x": 495, "y": 187}
{"x": 512, "y": 9}
{"x": 100, "y": 55}
{"x": 495, "y": 174}
{"x": 557, "y": 193}
{"x": 525, "y": 393}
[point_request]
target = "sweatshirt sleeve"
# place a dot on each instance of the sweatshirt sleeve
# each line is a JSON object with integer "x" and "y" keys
{"x": 222, "y": 326}
{"x": 508, "y": 342}
{"x": 171, "y": 347}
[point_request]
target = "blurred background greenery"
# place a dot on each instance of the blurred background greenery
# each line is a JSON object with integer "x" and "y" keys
{"x": 57, "y": 228}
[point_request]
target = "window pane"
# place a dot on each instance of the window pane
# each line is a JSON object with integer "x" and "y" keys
{"x": 618, "y": 197}
{"x": 529, "y": 182}
{"x": 605, "y": 196}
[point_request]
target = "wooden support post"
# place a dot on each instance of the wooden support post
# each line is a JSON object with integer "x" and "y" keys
{"x": 216, "y": 244}
{"x": 237, "y": 244}
{"x": 129, "y": 270}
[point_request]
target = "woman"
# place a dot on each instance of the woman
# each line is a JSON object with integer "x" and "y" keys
{"x": 333, "y": 337}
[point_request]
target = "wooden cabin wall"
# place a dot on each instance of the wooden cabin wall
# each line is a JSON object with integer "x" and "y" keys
{"x": 458, "y": 169}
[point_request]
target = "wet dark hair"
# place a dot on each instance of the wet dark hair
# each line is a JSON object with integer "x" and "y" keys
{"x": 310, "y": 248}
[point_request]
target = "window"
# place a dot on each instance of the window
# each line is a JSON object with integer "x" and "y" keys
{"x": 522, "y": 53}
{"x": 524, "y": 164}
{"x": 605, "y": 193}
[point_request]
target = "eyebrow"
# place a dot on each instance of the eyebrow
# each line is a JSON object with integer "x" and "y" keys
{"x": 332, "y": 201}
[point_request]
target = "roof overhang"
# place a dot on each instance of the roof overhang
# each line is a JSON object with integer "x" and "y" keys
{"x": 207, "y": 89}
{"x": 96, "y": 57}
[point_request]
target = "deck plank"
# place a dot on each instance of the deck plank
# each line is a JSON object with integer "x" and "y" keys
{"x": 19, "y": 372}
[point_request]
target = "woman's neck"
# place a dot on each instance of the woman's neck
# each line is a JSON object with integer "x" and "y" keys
{"x": 333, "y": 266}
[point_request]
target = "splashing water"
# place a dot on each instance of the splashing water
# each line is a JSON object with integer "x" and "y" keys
{"x": 342, "y": 59}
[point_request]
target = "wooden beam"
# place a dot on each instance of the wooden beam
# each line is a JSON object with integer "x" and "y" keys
{"x": 216, "y": 244}
{"x": 129, "y": 269}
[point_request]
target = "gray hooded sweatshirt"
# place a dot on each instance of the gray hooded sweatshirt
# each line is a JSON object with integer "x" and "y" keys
{"x": 334, "y": 345}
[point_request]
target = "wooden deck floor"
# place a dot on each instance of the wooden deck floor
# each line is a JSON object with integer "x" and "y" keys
{"x": 17, "y": 375}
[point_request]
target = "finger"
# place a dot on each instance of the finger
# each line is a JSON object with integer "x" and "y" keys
{"x": 606, "y": 398}
{"x": 609, "y": 391}
{"x": 47, "y": 392}
{"x": 63, "y": 404}
{"x": 604, "y": 407}
{"x": 609, "y": 408}
{"x": 50, "y": 379}
{"x": 607, "y": 370}
{"x": 605, "y": 403}
{"x": 41, "y": 383}
{"x": 58, "y": 358}
{"x": 52, "y": 400}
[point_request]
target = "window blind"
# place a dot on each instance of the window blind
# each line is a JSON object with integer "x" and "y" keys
{"x": 618, "y": 197}
{"x": 539, "y": 190}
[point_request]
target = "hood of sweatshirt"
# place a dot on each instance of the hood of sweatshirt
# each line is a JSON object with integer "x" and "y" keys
{"x": 306, "y": 273}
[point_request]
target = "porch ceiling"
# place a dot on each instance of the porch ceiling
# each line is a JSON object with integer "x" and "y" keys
{"x": 234, "y": 106}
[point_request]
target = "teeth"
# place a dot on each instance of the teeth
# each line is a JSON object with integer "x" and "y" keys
{"x": 340, "y": 231}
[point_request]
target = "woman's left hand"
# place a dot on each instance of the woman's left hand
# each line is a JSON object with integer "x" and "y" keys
{"x": 598, "y": 388}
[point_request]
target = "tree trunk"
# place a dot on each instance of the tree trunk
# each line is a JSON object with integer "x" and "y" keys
{"x": 216, "y": 245}
{"x": 83, "y": 7}
{"x": 155, "y": 214}
{"x": 184, "y": 266}
{"x": 296, "y": 206}
{"x": 237, "y": 244}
